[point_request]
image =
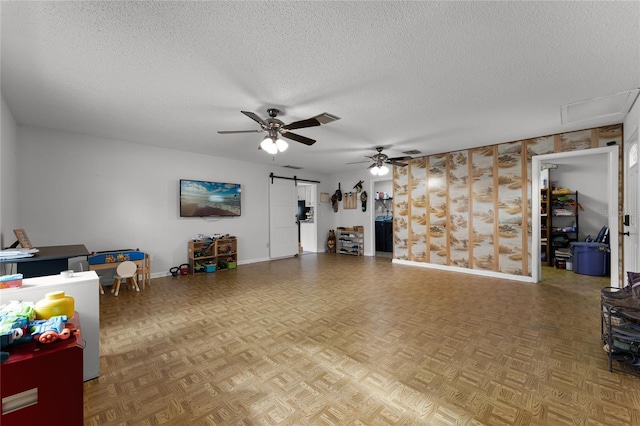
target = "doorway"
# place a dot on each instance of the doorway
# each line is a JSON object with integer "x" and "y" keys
{"x": 610, "y": 159}
{"x": 307, "y": 220}
{"x": 382, "y": 195}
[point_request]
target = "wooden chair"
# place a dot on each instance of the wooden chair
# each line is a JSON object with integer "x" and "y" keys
{"x": 127, "y": 271}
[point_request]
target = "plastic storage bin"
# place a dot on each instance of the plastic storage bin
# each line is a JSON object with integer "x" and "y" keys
{"x": 590, "y": 258}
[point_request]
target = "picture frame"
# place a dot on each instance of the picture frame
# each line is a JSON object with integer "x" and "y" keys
{"x": 23, "y": 238}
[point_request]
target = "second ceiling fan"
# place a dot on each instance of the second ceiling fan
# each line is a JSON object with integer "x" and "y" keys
{"x": 379, "y": 160}
{"x": 276, "y": 129}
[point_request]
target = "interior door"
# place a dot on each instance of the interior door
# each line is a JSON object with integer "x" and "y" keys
{"x": 632, "y": 239}
{"x": 283, "y": 227}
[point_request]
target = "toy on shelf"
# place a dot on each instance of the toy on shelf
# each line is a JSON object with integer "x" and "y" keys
{"x": 18, "y": 324}
{"x": 52, "y": 329}
{"x": 14, "y": 319}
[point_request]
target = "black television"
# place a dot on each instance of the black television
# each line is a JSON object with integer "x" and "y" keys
{"x": 200, "y": 198}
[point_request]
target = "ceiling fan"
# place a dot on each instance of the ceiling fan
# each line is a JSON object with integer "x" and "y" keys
{"x": 379, "y": 160}
{"x": 277, "y": 129}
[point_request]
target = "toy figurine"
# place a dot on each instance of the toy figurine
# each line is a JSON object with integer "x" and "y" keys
{"x": 331, "y": 241}
{"x": 48, "y": 331}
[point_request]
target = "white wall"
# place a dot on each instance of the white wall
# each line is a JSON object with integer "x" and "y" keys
{"x": 351, "y": 217}
{"x": 8, "y": 176}
{"x": 588, "y": 176}
{"x": 632, "y": 120}
{"x": 109, "y": 194}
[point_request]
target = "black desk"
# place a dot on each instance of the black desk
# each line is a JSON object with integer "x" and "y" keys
{"x": 48, "y": 261}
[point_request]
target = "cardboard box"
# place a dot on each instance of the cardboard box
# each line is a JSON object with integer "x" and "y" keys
{"x": 10, "y": 281}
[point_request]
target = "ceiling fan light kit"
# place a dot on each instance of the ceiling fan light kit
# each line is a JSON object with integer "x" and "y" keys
{"x": 379, "y": 170}
{"x": 273, "y": 143}
{"x": 277, "y": 129}
{"x": 272, "y": 146}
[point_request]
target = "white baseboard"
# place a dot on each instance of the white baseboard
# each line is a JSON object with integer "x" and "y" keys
{"x": 480, "y": 272}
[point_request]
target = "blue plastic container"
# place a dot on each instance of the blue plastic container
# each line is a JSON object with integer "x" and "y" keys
{"x": 590, "y": 258}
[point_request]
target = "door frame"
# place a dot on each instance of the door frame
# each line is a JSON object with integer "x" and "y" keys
{"x": 314, "y": 224}
{"x": 630, "y": 256}
{"x": 612, "y": 155}
{"x": 370, "y": 243}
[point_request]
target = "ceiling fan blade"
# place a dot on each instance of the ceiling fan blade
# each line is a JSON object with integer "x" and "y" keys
{"x": 225, "y": 132}
{"x": 372, "y": 166}
{"x": 298, "y": 138}
{"x": 254, "y": 116}
{"x": 309, "y": 122}
{"x": 395, "y": 163}
{"x": 358, "y": 162}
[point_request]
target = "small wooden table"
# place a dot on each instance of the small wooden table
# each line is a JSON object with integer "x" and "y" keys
{"x": 111, "y": 260}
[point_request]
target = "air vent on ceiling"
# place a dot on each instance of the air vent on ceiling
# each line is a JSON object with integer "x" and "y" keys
{"x": 614, "y": 106}
{"x": 293, "y": 167}
{"x": 326, "y": 118}
{"x": 411, "y": 152}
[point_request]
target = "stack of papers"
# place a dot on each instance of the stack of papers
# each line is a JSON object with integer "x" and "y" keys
{"x": 17, "y": 253}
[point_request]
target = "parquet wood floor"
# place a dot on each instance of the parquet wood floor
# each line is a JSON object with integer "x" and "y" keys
{"x": 330, "y": 339}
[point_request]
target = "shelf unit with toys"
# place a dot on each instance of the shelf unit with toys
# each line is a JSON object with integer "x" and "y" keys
{"x": 211, "y": 254}
{"x": 227, "y": 253}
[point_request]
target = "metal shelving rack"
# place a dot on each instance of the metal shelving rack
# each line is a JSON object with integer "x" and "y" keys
{"x": 620, "y": 331}
{"x": 561, "y": 223}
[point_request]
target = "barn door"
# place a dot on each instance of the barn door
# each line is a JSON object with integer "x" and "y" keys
{"x": 283, "y": 227}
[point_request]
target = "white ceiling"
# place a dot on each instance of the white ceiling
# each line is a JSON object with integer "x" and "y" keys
{"x": 430, "y": 76}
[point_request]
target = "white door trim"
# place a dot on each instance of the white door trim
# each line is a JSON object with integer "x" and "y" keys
{"x": 612, "y": 153}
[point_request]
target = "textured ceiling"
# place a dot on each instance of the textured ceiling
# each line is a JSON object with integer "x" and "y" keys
{"x": 431, "y": 76}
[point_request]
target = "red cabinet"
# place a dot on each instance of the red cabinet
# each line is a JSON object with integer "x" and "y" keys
{"x": 42, "y": 383}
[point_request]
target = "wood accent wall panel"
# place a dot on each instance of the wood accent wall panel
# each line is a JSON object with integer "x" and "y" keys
{"x": 400, "y": 213}
{"x": 438, "y": 209}
{"x": 493, "y": 184}
{"x": 575, "y": 141}
{"x": 418, "y": 210}
{"x": 458, "y": 209}
{"x": 483, "y": 213}
{"x": 510, "y": 208}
